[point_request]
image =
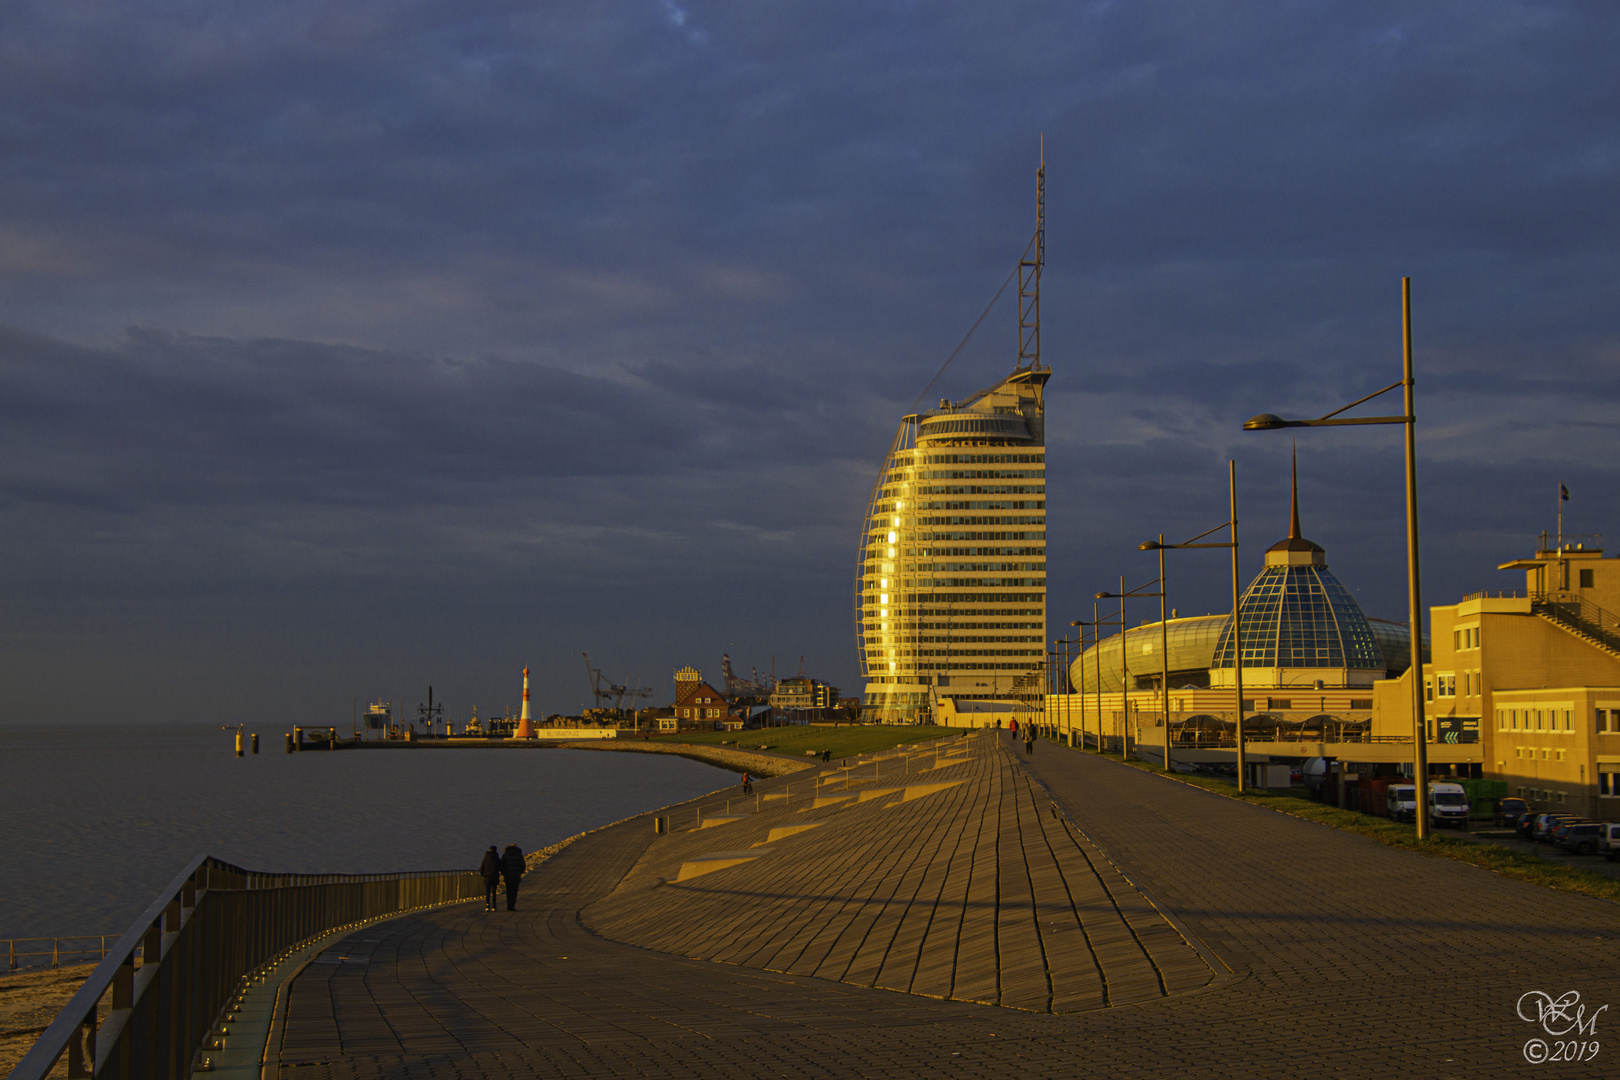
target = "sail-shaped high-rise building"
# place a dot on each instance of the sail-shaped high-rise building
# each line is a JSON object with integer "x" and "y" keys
{"x": 950, "y": 582}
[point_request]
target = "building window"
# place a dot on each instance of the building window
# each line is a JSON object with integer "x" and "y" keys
{"x": 1361, "y": 703}
{"x": 1428, "y": 690}
{"x": 1586, "y": 579}
{"x": 1445, "y": 685}
{"x": 1608, "y": 786}
{"x": 1569, "y": 720}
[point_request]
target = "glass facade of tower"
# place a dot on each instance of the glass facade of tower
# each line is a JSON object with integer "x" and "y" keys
{"x": 951, "y": 575}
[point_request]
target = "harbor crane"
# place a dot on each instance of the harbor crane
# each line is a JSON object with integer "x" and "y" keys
{"x": 604, "y": 689}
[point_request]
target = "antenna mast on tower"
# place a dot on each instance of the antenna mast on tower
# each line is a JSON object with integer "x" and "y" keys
{"x": 1029, "y": 276}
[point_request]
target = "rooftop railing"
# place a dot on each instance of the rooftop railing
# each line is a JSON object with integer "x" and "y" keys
{"x": 172, "y": 976}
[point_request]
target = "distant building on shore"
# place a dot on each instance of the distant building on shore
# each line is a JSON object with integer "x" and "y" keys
{"x": 697, "y": 704}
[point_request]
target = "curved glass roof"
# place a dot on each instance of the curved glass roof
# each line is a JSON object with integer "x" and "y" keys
{"x": 1191, "y": 644}
{"x": 1301, "y": 617}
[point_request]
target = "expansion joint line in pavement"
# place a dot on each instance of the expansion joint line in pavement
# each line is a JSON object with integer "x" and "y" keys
{"x": 1034, "y": 907}
{"x": 1074, "y": 906}
{"x": 933, "y": 909}
{"x": 1216, "y": 963}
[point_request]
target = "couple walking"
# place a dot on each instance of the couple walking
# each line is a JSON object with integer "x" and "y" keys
{"x": 496, "y": 866}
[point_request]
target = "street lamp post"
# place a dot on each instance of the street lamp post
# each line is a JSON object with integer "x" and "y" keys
{"x": 1096, "y": 624}
{"x": 1124, "y": 664}
{"x": 1063, "y": 682}
{"x": 1237, "y": 619}
{"x": 1271, "y": 422}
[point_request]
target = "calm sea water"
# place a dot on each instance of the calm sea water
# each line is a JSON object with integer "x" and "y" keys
{"x": 96, "y": 821}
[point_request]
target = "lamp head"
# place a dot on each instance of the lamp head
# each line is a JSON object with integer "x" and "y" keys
{"x": 1264, "y": 422}
{"x": 1151, "y": 545}
{"x": 1104, "y": 596}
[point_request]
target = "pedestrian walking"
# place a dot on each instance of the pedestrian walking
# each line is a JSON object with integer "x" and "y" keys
{"x": 1013, "y": 727}
{"x": 512, "y": 868}
{"x": 748, "y": 784}
{"x": 1029, "y": 740}
{"x": 490, "y": 869}
{"x": 826, "y": 755}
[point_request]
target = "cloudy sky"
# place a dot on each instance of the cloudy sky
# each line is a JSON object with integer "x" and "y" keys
{"x": 350, "y": 348}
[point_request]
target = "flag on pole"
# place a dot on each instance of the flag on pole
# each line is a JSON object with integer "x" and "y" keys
{"x": 1563, "y": 493}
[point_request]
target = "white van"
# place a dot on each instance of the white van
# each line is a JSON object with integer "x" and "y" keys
{"x": 1448, "y": 804}
{"x": 1401, "y": 802}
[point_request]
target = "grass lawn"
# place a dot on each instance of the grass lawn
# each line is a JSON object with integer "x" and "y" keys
{"x": 1505, "y": 861}
{"x": 844, "y": 740}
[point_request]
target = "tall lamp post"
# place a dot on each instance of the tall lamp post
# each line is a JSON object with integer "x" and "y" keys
{"x": 1138, "y": 593}
{"x": 1270, "y": 422}
{"x": 1237, "y": 619}
{"x": 1063, "y": 683}
{"x": 1096, "y": 624}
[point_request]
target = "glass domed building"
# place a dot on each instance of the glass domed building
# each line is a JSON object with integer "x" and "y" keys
{"x": 1301, "y": 629}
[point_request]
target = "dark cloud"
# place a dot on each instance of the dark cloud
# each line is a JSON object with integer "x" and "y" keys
{"x": 356, "y": 347}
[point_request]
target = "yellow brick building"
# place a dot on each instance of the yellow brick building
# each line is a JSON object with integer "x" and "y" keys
{"x": 1534, "y": 676}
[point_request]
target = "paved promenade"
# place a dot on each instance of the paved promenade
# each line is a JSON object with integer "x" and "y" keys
{"x": 1138, "y": 927}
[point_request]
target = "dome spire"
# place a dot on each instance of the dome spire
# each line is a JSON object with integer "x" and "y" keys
{"x": 1296, "y": 550}
{"x": 1293, "y": 518}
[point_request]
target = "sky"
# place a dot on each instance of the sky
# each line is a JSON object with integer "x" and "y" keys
{"x": 351, "y": 349}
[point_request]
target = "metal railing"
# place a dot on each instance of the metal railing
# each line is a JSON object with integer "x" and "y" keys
{"x": 61, "y": 951}
{"x": 1579, "y": 614}
{"x": 205, "y": 936}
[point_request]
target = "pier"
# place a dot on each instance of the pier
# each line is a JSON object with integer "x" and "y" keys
{"x": 949, "y": 909}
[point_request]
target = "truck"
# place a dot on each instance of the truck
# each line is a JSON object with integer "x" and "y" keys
{"x": 1448, "y": 804}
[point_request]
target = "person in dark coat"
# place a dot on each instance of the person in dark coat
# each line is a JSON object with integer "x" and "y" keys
{"x": 490, "y": 868}
{"x": 512, "y": 870}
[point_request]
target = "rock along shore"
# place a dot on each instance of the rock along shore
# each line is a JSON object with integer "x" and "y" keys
{"x": 751, "y": 762}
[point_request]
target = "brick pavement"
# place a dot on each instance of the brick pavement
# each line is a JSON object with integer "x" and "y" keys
{"x": 1333, "y": 955}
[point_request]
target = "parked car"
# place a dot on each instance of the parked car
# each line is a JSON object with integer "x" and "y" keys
{"x": 1509, "y": 811}
{"x": 1542, "y": 824}
{"x": 1609, "y": 841}
{"x": 1549, "y": 833}
{"x": 1579, "y": 837}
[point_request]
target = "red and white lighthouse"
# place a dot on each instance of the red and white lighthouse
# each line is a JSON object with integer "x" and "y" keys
{"x": 525, "y": 728}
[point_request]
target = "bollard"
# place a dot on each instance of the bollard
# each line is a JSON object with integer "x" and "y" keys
{"x": 297, "y": 738}
{"x": 289, "y": 742}
{"x": 660, "y": 825}
{"x": 238, "y": 744}
{"x": 331, "y": 738}
{"x": 255, "y": 742}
